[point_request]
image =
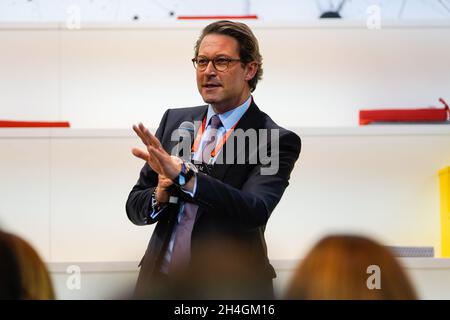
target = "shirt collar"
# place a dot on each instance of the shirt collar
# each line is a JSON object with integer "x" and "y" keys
{"x": 229, "y": 118}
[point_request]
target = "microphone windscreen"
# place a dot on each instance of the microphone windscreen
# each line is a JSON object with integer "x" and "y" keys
{"x": 186, "y": 128}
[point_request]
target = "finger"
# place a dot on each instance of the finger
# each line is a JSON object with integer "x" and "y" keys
{"x": 152, "y": 162}
{"x": 150, "y": 137}
{"x": 158, "y": 153}
{"x": 165, "y": 179}
{"x": 161, "y": 157}
{"x": 140, "y": 134}
{"x": 165, "y": 186}
{"x": 165, "y": 182}
{"x": 162, "y": 178}
{"x": 146, "y": 134}
{"x": 140, "y": 154}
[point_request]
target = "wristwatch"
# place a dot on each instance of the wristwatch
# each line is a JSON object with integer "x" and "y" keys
{"x": 156, "y": 205}
{"x": 188, "y": 170}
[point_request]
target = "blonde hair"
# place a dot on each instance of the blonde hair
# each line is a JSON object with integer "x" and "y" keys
{"x": 32, "y": 274}
{"x": 337, "y": 268}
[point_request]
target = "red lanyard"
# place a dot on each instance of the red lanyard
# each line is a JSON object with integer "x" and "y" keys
{"x": 219, "y": 146}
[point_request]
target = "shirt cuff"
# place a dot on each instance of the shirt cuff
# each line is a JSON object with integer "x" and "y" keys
{"x": 155, "y": 213}
{"x": 156, "y": 209}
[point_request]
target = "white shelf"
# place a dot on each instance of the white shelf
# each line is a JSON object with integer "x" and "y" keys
{"x": 64, "y": 133}
{"x": 407, "y": 263}
{"x": 132, "y": 266}
{"x": 375, "y": 130}
{"x": 370, "y": 130}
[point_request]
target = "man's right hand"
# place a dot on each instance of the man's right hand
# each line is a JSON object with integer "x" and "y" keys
{"x": 162, "y": 193}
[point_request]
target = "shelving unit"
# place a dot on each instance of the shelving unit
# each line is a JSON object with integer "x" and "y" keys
{"x": 198, "y": 24}
{"x": 65, "y": 189}
{"x": 370, "y": 130}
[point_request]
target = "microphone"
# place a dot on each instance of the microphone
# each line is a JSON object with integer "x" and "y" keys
{"x": 185, "y": 140}
{"x": 187, "y": 127}
{"x": 185, "y": 137}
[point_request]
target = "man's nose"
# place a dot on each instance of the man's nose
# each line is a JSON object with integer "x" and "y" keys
{"x": 210, "y": 68}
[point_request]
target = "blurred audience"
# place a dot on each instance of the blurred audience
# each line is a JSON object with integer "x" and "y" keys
{"x": 23, "y": 274}
{"x": 346, "y": 267}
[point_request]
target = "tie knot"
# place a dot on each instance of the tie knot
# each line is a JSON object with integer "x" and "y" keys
{"x": 215, "y": 122}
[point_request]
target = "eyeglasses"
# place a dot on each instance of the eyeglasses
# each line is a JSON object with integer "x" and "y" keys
{"x": 219, "y": 63}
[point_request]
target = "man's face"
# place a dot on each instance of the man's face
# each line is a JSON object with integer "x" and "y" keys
{"x": 227, "y": 89}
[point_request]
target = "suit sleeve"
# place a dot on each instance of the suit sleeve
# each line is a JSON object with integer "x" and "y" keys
{"x": 138, "y": 205}
{"x": 250, "y": 207}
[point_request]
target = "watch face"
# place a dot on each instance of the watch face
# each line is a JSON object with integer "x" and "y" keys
{"x": 182, "y": 175}
{"x": 181, "y": 179}
{"x": 187, "y": 171}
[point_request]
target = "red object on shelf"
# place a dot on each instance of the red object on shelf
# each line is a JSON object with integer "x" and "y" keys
{"x": 34, "y": 124}
{"x": 405, "y": 115}
{"x": 216, "y": 17}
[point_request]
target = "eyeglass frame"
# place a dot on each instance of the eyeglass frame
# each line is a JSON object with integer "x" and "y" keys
{"x": 229, "y": 60}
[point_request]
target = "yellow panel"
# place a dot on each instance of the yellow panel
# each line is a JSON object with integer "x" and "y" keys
{"x": 444, "y": 181}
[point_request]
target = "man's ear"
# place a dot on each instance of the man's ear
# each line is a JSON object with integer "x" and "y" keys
{"x": 251, "y": 70}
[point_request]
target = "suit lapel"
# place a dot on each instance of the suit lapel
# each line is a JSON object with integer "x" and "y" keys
{"x": 197, "y": 117}
{"x": 252, "y": 119}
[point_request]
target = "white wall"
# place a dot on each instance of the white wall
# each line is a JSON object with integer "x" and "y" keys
{"x": 314, "y": 76}
{"x": 66, "y": 190}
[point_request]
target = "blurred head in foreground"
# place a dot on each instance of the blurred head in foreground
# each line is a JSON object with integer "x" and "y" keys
{"x": 221, "y": 269}
{"x": 23, "y": 275}
{"x": 350, "y": 267}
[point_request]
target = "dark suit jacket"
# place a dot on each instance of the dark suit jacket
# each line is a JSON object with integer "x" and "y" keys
{"x": 235, "y": 200}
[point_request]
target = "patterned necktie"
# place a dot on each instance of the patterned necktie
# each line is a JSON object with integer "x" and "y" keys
{"x": 181, "y": 251}
{"x": 211, "y": 138}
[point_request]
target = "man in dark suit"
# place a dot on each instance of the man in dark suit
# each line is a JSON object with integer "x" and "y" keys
{"x": 211, "y": 210}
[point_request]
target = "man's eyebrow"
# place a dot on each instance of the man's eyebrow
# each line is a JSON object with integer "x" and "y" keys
{"x": 220, "y": 55}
